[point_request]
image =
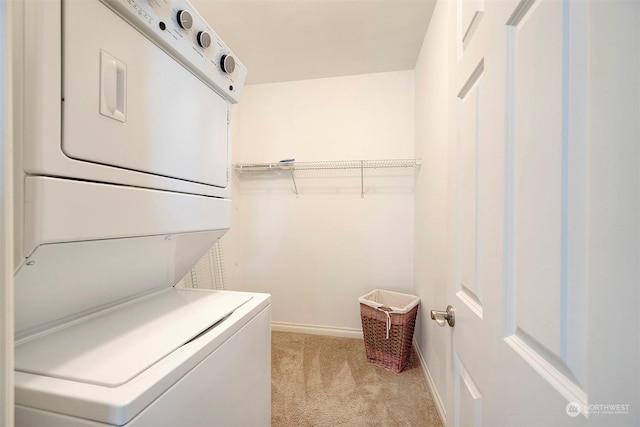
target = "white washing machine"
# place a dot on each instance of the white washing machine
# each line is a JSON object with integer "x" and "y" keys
{"x": 183, "y": 357}
{"x": 122, "y": 183}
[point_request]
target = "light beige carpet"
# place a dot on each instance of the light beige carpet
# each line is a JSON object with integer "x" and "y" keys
{"x": 327, "y": 381}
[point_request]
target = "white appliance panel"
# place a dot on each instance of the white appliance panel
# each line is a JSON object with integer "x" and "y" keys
{"x": 198, "y": 46}
{"x": 60, "y": 282}
{"x": 62, "y": 210}
{"x": 130, "y": 105}
{"x": 220, "y": 378}
{"x": 232, "y": 387}
{"x": 112, "y": 348}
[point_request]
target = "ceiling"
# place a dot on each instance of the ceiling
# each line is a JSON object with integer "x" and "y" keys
{"x": 284, "y": 40}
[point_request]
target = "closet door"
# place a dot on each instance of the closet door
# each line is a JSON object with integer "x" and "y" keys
{"x": 545, "y": 205}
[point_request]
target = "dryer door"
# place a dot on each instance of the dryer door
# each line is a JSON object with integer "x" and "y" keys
{"x": 128, "y": 104}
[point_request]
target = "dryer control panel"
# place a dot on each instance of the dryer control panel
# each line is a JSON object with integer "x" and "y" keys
{"x": 178, "y": 28}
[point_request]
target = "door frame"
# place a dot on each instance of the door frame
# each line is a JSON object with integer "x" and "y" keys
{"x": 6, "y": 224}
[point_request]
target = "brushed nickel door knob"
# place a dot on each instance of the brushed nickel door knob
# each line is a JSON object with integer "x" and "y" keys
{"x": 448, "y": 315}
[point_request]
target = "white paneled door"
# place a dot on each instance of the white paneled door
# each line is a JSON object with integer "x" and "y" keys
{"x": 544, "y": 173}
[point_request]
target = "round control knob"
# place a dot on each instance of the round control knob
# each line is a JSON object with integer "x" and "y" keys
{"x": 185, "y": 20}
{"x": 204, "y": 39}
{"x": 227, "y": 63}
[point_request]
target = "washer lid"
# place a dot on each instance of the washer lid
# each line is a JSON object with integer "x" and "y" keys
{"x": 113, "y": 347}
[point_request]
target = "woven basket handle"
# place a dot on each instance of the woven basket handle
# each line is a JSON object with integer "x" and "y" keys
{"x": 387, "y": 310}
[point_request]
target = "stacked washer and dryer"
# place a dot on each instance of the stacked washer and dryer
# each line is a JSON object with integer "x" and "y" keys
{"x": 122, "y": 182}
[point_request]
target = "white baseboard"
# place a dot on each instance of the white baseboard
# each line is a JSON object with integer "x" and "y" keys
{"x": 432, "y": 387}
{"x": 316, "y": 330}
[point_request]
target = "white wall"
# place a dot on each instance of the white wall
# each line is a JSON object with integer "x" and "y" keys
{"x": 318, "y": 252}
{"x": 431, "y": 193}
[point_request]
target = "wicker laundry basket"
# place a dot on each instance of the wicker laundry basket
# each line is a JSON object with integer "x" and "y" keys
{"x": 388, "y": 322}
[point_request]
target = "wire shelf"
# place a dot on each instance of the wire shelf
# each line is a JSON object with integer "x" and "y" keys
{"x": 330, "y": 168}
{"x": 335, "y": 164}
